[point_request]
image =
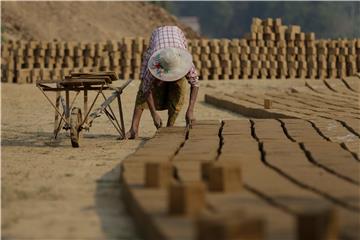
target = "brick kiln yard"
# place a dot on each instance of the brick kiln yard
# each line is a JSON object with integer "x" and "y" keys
{"x": 51, "y": 190}
{"x": 294, "y": 174}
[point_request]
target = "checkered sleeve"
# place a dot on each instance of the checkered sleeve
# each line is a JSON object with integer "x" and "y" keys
{"x": 145, "y": 74}
{"x": 193, "y": 77}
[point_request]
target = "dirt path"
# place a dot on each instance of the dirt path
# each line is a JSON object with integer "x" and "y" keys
{"x": 52, "y": 191}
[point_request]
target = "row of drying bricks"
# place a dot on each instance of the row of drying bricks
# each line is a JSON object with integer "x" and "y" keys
{"x": 220, "y": 177}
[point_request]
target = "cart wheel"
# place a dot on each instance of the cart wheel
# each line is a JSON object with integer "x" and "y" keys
{"x": 75, "y": 121}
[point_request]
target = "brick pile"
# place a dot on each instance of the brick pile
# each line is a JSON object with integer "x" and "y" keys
{"x": 271, "y": 50}
{"x": 27, "y": 62}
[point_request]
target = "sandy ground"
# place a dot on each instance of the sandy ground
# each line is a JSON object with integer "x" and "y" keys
{"x": 82, "y": 21}
{"x": 53, "y": 191}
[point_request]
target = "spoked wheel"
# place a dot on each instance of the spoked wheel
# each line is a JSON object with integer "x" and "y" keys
{"x": 75, "y": 121}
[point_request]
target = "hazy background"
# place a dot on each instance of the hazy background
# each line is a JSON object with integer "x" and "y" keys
{"x": 233, "y": 19}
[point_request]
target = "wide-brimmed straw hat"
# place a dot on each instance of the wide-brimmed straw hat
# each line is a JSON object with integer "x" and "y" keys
{"x": 170, "y": 64}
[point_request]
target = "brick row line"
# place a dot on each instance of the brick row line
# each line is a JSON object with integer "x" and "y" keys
{"x": 237, "y": 184}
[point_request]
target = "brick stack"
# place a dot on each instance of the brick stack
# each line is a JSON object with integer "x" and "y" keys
{"x": 271, "y": 50}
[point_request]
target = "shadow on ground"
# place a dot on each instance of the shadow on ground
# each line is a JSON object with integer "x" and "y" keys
{"x": 46, "y": 139}
{"x": 115, "y": 220}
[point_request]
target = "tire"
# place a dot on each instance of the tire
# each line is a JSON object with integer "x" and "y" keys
{"x": 75, "y": 121}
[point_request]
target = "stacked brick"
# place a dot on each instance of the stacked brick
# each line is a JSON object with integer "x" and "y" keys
{"x": 271, "y": 50}
{"x": 27, "y": 62}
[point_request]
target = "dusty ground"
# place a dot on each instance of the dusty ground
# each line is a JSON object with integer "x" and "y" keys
{"x": 52, "y": 191}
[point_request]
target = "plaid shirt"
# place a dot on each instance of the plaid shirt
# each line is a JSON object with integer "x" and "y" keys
{"x": 163, "y": 37}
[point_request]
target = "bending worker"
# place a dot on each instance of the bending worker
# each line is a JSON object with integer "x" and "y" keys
{"x": 166, "y": 66}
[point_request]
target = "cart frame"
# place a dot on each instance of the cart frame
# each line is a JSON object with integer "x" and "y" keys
{"x": 70, "y": 117}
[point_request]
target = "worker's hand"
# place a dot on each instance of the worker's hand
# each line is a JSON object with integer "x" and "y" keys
{"x": 189, "y": 118}
{"x": 157, "y": 120}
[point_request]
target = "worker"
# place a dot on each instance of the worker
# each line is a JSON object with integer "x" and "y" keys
{"x": 166, "y": 66}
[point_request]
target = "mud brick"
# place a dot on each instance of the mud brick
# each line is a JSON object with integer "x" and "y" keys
{"x": 290, "y": 36}
{"x": 320, "y": 223}
{"x": 344, "y": 51}
{"x": 55, "y": 74}
{"x": 196, "y": 50}
{"x": 250, "y": 36}
{"x": 299, "y": 43}
{"x": 260, "y": 43}
{"x": 268, "y": 22}
{"x": 24, "y": 76}
{"x": 322, "y": 73}
{"x": 225, "y": 177}
{"x": 267, "y": 103}
{"x": 263, "y": 73}
{"x": 282, "y": 64}
{"x": 281, "y": 51}
{"x": 214, "y": 47}
{"x": 263, "y": 57}
{"x": 226, "y": 71}
{"x": 245, "y": 64}
{"x": 280, "y": 29}
{"x": 255, "y": 28}
{"x": 334, "y": 51}
{"x": 279, "y": 37}
{"x": 352, "y": 50}
{"x": 290, "y": 57}
{"x": 270, "y": 50}
{"x": 302, "y": 64}
{"x": 204, "y": 73}
{"x": 292, "y": 72}
{"x": 265, "y": 64}
{"x": 7, "y": 76}
{"x": 341, "y": 72}
{"x": 332, "y": 73}
{"x": 254, "y": 50}
{"x": 312, "y": 72}
{"x": 272, "y": 73}
{"x": 229, "y": 225}
{"x": 273, "y": 64}
{"x": 235, "y": 61}
{"x": 256, "y": 64}
{"x": 282, "y": 72}
{"x": 126, "y": 73}
{"x": 136, "y": 61}
{"x": 277, "y": 22}
{"x": 300, "y": 36}
{"x": 341, "y": 59}
{"x": 158, "y": 174}
{"x": 281, "y": 44}
{"x": 186, "y": 198}
{"x": 235, "y": 50}
{"x": 45, "y": 74}
{"x": 269, "y": 36}
{"x": 269, "y": 43}
{"x": 245, "y": 72}
{"x": 301, "y": 58}
{"x": 208, "y": 64}
{"x": 236, "y": 73}
{"x": 256, "y": 21}
{"x": 310, "y": 36}
{"x": 35, "y": 75}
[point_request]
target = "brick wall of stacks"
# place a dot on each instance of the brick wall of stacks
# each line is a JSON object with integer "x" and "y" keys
{"x": 271, "y": 50}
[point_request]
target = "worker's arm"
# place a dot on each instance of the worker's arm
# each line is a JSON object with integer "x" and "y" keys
{"x": 156, "y": 118}
{"x": 189, "y": 117}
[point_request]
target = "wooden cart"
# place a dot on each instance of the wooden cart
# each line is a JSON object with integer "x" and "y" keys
{"x": 74, "y": 118}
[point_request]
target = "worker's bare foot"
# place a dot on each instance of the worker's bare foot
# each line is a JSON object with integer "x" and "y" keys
{"x": 131, "y": 134}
